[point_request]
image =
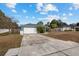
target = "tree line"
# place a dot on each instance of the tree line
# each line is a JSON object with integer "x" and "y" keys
{"x": 54, "y": 24}
{"x": 6, "y": 22}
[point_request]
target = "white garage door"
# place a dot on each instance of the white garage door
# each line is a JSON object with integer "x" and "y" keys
{"x": 30, "y": 30}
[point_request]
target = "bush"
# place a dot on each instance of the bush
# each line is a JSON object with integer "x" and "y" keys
{"x": 67, "y": 30}
{"x": 77, "y": 29}
{"x": 4, "y": 34}
{"x": 15, "y": 31}
{"x": 40, "y": 29}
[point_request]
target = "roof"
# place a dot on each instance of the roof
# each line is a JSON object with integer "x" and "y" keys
{"x": 29, "y": 25}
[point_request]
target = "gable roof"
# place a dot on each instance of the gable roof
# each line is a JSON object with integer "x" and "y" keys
{"x": 29, "y": 25}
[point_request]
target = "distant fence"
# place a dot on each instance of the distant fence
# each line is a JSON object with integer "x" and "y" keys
{"x": 4, "y": 30}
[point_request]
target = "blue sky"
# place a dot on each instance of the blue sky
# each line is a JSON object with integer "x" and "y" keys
{"x": 34, "y": 12}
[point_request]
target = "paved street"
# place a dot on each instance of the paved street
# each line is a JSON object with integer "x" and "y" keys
{"x": 39, "y": 45}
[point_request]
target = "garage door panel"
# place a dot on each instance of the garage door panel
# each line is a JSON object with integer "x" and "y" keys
{"x": 30, "y": 30}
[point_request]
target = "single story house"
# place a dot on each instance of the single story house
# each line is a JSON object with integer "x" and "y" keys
{"x": 65, "y": 28}
{"x": 28, "y": 29}
{"x": 4, "y": 30}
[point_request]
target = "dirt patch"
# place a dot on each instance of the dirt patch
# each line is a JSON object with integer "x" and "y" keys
{"x": 67, "y": 36}
{"x": 9, "y": 41}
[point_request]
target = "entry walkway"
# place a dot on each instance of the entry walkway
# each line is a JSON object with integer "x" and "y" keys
{"x": 39, "y": 45}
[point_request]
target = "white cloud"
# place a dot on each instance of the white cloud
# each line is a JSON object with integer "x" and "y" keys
{"x": 39, "y": 6}
{"x": 45, "y": 8}
{"x": 24, "y": 11}
{"x": 64, "y": 14}
{"x": 11, "y": 5}
{"x": 70, "y": 14}
{"x": 64, "y": 18}
{"x": 71, "y": 8}
{"x": 51, "y": 17}
{"x": 26, "y": 17}
{"x": 13, "y": 10}
{"x": 33, "y": 17}
{"x": 51, "y": 7}
{"x": 43, "y": 13}
{"x": 43, "y": 18}
{"x": 75, "y": 6}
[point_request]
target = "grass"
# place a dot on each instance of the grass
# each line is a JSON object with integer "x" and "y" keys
{"x": 4, "y": 34}
{"x": 9, "y": 41}
{"x": 66, "y": 36}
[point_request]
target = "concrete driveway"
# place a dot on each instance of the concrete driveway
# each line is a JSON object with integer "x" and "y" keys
{"x": 39, "y": 45}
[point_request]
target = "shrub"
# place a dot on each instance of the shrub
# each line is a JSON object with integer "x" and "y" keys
{"x": 77, "y": 29}
{"x": 4, "y": 34}
{"x": 40, "y": 29}
{"x": 67, "y": 30}
{"x": 15, "y": 31}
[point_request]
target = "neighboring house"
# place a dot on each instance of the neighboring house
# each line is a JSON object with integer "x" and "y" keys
{"x": 28, "y": 29}
{"x": 76, "y": 28}
{"x": 4, "y": 30}
{"x": 47, "y": 28}
{"x": 65, "y": 28}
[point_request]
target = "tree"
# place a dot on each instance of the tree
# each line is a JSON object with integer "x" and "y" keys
{"x": 65, "y": 24}
{"x": 1, "y": 13}
{"x": 40, "y": 27}
{"x": 54, "y": 23}
{"x": 2, "y": 19}
{"x": 60, "y": 23}
{"x": 7, "y": 22}
{"x": 47, "y": 27}
{"x": 77, "y": 24}
{"x": 48, "y": 24}
{"x": 72, "y": 25}
{"x": 40, "y": 23}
